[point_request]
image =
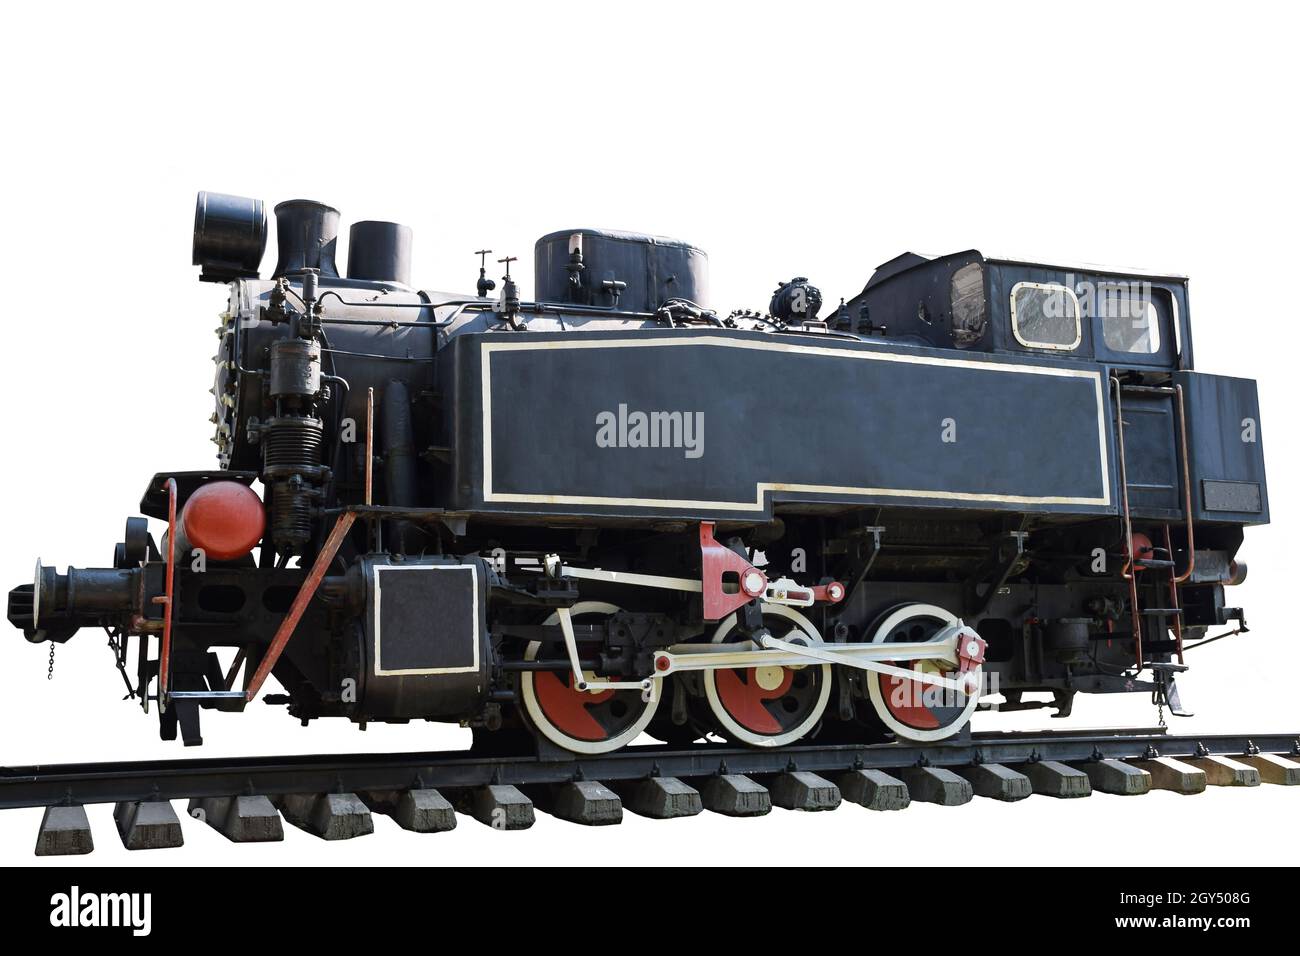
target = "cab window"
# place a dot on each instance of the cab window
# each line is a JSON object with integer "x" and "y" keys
{"x": 1045, "y": 316}
{"x": 967, "y": 300}
{"x": 1129, "y": 320}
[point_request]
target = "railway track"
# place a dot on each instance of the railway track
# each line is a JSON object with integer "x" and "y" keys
{"x": 333, "y": 796}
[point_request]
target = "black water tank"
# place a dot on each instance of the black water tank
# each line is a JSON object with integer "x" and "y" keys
{"x": 638, "y": 271}
{"x": 307, "y": 234}
{"x": 229, "y": 236}
{"x": 379, "y": 252}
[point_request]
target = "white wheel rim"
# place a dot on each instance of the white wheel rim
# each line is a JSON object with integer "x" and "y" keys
{"x": 877, "y": 696}
{"x": 738, "y": 730}
{"x": 554, "y": 734}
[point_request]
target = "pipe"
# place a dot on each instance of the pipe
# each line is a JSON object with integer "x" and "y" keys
{"x": 168, "y": 600}
{"x": 370, "y": 445}
{"x": 1187, "y": 491}
{"x": 398, "y": 438}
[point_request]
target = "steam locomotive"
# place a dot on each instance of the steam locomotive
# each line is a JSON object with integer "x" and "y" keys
{"x": 614, "y": 511}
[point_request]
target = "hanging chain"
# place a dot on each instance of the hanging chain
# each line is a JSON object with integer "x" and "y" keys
{"x": 49, "y": 674}
{"x": 117, "y": 644}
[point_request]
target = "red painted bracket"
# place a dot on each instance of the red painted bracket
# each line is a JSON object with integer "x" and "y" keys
{"x": 970, "y": 650}
{"x": 168, "y": 598}
{"x": 831, "y": 593}
{"x": 300, "y": 602}
{"x": 729, "y": 581}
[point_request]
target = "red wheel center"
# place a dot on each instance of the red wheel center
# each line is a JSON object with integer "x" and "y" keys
{"x": 745, "y": 698}
{"x": 568, "y": 708}
{"x": 905, "y": 699}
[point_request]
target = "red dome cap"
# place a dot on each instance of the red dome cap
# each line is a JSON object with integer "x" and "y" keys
{"x": 224, "y": 518}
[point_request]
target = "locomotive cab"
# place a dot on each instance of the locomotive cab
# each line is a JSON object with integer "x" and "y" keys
{"x": 1009, "y": 306}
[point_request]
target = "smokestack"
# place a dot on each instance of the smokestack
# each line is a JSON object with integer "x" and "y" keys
{"x": 307, "y": 233}
{"x": 380, "y": 252}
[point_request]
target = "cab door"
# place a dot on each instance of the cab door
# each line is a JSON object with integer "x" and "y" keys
{"x": 1152, "y": 464}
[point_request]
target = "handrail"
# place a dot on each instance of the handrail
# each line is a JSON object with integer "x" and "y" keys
{"x": 1130, "y": 575}
{"x": 167, "y": 599}
{"x": 1187, "y": 490}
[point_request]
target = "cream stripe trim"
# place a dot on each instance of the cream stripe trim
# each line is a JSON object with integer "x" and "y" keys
{"x": 382, "y": 569}
{"x": 488, "y": 348}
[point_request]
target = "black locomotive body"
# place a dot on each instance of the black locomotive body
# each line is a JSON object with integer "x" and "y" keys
{"x": 614, "y": 511}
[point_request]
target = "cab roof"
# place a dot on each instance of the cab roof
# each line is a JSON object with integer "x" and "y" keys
{"x": 912, "y": 260}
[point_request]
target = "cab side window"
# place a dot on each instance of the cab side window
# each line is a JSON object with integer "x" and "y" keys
{"x": 1045, "y": 316}
{"x": 1129, "y": 320}
{"x": 967, "y": 301}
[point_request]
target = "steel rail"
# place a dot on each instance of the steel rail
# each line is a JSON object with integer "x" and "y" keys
{"x": 87, "y": 783}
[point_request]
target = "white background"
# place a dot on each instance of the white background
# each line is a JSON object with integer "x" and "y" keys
{"x": 785, "y": 139}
